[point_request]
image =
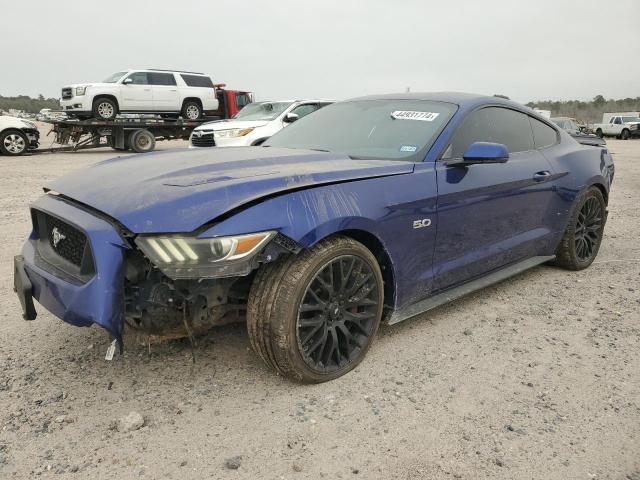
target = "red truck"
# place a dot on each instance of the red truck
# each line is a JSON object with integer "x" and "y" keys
{"x": 230, "y": 101}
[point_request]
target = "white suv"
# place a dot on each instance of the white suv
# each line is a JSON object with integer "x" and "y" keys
{"x": 253, "y": 124}
{"x": 142, "y": 91}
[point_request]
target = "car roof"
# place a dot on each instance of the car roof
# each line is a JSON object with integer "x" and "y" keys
{"x": 457, "y": 98}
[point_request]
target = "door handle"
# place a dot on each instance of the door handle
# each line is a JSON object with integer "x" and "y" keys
{"x": 541, "y": 176}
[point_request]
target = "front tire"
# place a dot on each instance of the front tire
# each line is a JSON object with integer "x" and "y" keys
{"x": 625, "y": 134}
{"x": 13, "y": 143}
{"x": 105, "y": 109}
{"x": 599, "y": 133}
{"x": 582, "y": 239}
{"x": 313, "y": 316}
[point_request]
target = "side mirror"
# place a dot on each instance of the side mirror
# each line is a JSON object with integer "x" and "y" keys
{"x": 484, "y": 152}
{"x": 290, "y": 117}
{"x": 127, "y": 81}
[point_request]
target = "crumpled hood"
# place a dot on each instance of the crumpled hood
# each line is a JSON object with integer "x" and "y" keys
{"x": 229, "y": 124}
{"x": 180, "y": 190}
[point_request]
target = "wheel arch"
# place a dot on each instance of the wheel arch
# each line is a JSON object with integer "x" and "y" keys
{"x": 605, "y": 193}
{"x": 192, "y": 99}
{"x": 106, "y": 95}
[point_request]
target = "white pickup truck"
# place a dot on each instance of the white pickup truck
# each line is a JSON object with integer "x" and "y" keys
{"x": 618, "y": 126}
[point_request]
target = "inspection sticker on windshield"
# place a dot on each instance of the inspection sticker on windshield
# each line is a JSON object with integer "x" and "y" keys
{"x": 408, "y": 148}
{"x": 409, "y": 115}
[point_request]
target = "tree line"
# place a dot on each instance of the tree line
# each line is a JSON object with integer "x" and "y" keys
{"x": 28, "y": 104}
{"x": 587, "y": 112}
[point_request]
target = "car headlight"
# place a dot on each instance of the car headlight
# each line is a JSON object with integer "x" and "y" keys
{"x": 30, "y": 124}
{"x": 81, "y": 90}
{"x": 232, "y": 132}
{"x": 181, "y": 257}
{"x": 633, "y": 127}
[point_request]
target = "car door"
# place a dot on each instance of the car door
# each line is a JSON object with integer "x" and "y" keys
{"x": 136, "y": 92}
{"x": 165, "y": 92}
{"x": 613, "y": 128}
{"x": 490, "y": 215}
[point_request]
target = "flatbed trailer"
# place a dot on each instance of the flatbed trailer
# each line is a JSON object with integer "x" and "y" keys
{"x": 137, "y": 134}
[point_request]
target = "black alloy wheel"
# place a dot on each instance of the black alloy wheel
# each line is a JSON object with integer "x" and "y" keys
{"x": 338, "y": 314}
{"x": 581, "y": 241}
{"x": 312, "y": 316}
{"x": 588, "y": 229}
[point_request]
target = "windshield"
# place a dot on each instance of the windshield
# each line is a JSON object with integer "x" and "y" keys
{"x": 262, "y": 111}
{"x": 377, "y": 129}
{"x": 114, "y": 78}
{"x": 630, "y": 119}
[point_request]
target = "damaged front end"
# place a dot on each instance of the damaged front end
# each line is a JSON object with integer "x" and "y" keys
{"x": 91, "y": 270}
{"x": 179, "y": 285}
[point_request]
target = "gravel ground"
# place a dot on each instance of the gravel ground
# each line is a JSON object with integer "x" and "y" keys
{"x": 536, "y": 378}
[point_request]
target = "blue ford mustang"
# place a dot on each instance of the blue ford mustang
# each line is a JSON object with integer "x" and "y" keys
{"x": 373, "y": 209}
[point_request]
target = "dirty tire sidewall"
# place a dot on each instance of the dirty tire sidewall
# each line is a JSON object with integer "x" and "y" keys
{"x": 142, "y": 141}
{"x": 281, "y": 299}
{"x": 566, "y": 256}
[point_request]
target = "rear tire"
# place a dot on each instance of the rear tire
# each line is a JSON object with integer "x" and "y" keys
{"x": 313, "y": 316}
{"x": 142, "y": 141}
{"x": 105, "y": 109}
{"x": 191, "y": 110}
{"x": 13, "y": 143}
{"x": 582, "y": 239}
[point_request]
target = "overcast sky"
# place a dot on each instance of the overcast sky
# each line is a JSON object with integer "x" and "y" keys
{"x": 539, "y": 49}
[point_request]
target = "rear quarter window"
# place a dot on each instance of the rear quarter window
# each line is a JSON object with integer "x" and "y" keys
{"x": 197, "y": 80}
{"x": 543, "y": 134}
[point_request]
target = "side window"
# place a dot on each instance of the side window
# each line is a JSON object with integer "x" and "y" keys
{"x": 543, "y": 134}
{"x": 139, "y": 78}
{"x": 166, "y": 79}
{"x": 618, "y": 121}
{"x": 196, "y": 80}
{"x": 493, "y": 124}
{"x": 304, "y": 110}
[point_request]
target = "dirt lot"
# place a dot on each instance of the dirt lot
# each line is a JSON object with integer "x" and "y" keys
{"x": 537, "y": 378}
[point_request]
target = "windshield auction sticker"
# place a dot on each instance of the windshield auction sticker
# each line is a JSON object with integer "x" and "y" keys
{"x": 409, "y": 115}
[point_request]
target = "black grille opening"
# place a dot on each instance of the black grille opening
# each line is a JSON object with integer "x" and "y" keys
{"x": 205, "y": 140}
{"x": 65, "y": 240}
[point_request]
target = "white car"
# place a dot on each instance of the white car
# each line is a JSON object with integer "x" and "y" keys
{"x": 253, "y": 124}
{"x": 17, "y": 136}
{"x": 142, "y": 91}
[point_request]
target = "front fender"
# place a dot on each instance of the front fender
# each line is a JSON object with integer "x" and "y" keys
{"x": 384, "y": 207}
{"x": 306, "y": 216}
